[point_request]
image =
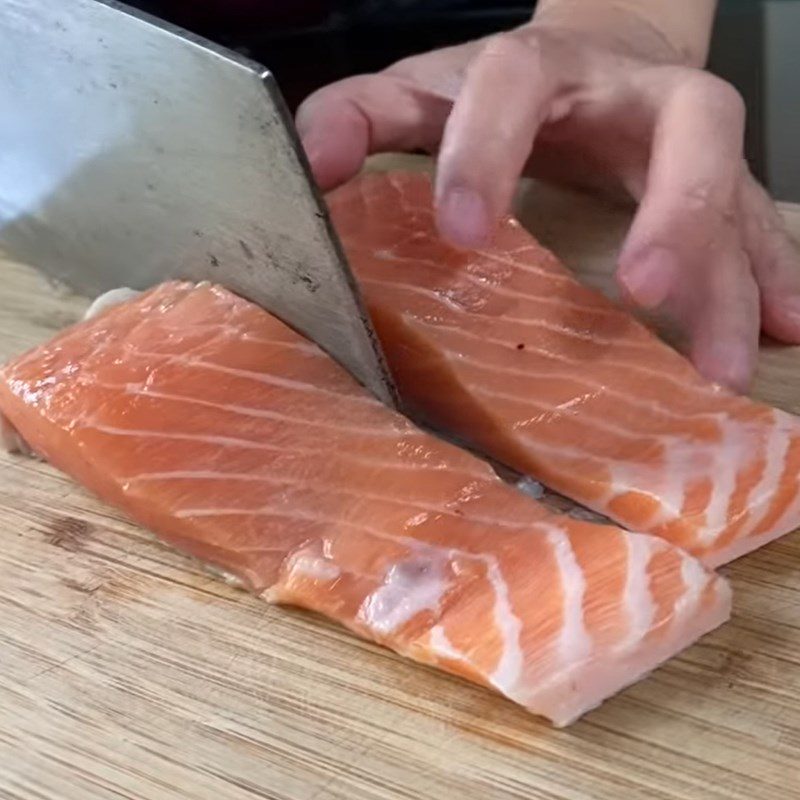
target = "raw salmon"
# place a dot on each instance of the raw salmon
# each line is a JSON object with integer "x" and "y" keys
{"x": 239, "y": 442}
{"x": 507, "y": 350}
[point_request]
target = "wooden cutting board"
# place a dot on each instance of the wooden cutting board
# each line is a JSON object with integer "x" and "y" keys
{"x": 126, "y": 672}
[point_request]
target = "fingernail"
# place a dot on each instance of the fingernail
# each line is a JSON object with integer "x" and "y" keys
{"x": 730, "y": 366}
{"x": 650, "y": 277}
{"x": 792, "y": 306}
{"x": 737, "y": 374}
{"x": 301, "y": 119}
{"x": 464, "y": 218}
{"x": 314, "y": 151}
{"x": 311, "y": 148}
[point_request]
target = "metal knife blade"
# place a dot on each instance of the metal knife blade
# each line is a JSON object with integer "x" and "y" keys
{"x": 131, "y": 151}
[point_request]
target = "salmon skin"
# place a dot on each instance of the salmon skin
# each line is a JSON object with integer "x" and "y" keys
{"x": 506, "y": 349}
{"x": 240, "y": 443}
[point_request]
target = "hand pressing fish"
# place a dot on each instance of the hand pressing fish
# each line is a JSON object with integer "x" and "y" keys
{"x": 505, "y": 349}
{"x": 237, "y": 441}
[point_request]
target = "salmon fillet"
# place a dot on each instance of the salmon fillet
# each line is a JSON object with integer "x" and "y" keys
{"x": 239, "y": 442}
{"x": 507, "y": 350}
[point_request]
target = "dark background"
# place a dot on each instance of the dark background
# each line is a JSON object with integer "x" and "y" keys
{"x": 308, "y": 43}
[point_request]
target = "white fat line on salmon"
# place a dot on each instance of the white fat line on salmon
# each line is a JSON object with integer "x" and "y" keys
{"x": 391, "y": 611}
{"x": 776, "y": 449}
{"x": 639, "y": 604}
{"x": 409, "y": 587}
{"x": 702, "y": 389}
{"x": 314, "y": 489}
{"x": 403, "y": 429}
{"x": 594, "y": 389}
{"x": 638, "y": 598}
{"x": 259, "y": 377}
{"x": 238, "y": 333}
{"x": 743, "y": 545}
{"x": 518, "y": 251}
{"x": 421, "y": 226}
{"x": 301, "y": 347}
{"x": 665, "y": 483}
{"x": 508, "y": 671}
{"x": 416, "y": 211}
{"x": 315, "y": 567}
{"x": 660, "y": 483}
{"x": 695, "y": 579}
{"x": 486, "y": 282}
{"x": 790, "y": 518}
{"x": 648, "y": 405}
{"x": 562, "y": 693}
{"x": 442, "y": 647}
{"x": 79, "y": 332}
{"x": 560, "y": 277}
{"x": 606, "y": 489}
{"x": 247, "y": 444}
{"x": 688, "y": 463}
{"x": 448, "y": 296}
{"x": 613, "y": 485}
{"x": 736, "y": 450}
{"x": 558, "y": 273}
{"x": 413, "y": 545}
{"x": 586, "y": 417}
{"x": 574, "y": 642}
{"x": 242, "y": 333}
{"x": 404, "y": 234}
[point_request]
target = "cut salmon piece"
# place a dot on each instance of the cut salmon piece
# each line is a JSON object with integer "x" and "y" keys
{"x": 239, "y": 442}
{"x": 507, "y": 350}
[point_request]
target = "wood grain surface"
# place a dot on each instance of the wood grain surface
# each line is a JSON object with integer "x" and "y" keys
{"x": 127, "y": 672}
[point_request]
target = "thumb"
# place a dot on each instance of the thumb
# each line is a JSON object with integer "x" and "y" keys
{"x": 341, "y": 124}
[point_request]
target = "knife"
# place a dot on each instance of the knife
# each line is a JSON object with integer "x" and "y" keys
{"x": 132, "y": 151}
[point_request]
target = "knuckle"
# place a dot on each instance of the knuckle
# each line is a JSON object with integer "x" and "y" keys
{"x": 696, "y": 222}
{"x": 727, "y": 97}
{"x": 338, "y": 101}
{"x": 716, "y": 95}
{"x": 716, "y": 200}
{"x": 510, "y": 47}
{"x": 332, "y": 92}
{"x": 703, "y": 203}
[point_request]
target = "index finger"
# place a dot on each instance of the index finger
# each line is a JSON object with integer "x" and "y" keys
{"x": 685, "y": 246}
{"x": 489, "y": 135}
{"x": 341, "y": 124}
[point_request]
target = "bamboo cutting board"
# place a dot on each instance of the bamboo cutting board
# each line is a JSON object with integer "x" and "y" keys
{"x": 127, "y": 672}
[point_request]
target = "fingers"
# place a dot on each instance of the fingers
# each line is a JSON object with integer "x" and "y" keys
{"x": 342, "y": 124}
{"x": 775, "y": 262}
{"x": 335, "y": 135}
{"x": 489, "y": 135}
{"x": 722, "y": 318}
{"x": 691, "y": 189}
{"x": 684, "y": 248}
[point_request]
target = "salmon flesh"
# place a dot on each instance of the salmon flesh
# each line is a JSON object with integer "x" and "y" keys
{"x": 507, "y": 350}
{"x": 238, "y": 442}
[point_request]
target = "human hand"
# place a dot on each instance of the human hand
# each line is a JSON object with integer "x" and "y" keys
{"x": 707, "y": 244}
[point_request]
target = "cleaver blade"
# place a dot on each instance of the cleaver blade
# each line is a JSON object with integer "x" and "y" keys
{"x": 132, "y": 152}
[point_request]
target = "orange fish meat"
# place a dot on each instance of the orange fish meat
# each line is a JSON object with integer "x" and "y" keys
{"x": 239, "y": 442}
{"x": 507, "y": 350}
